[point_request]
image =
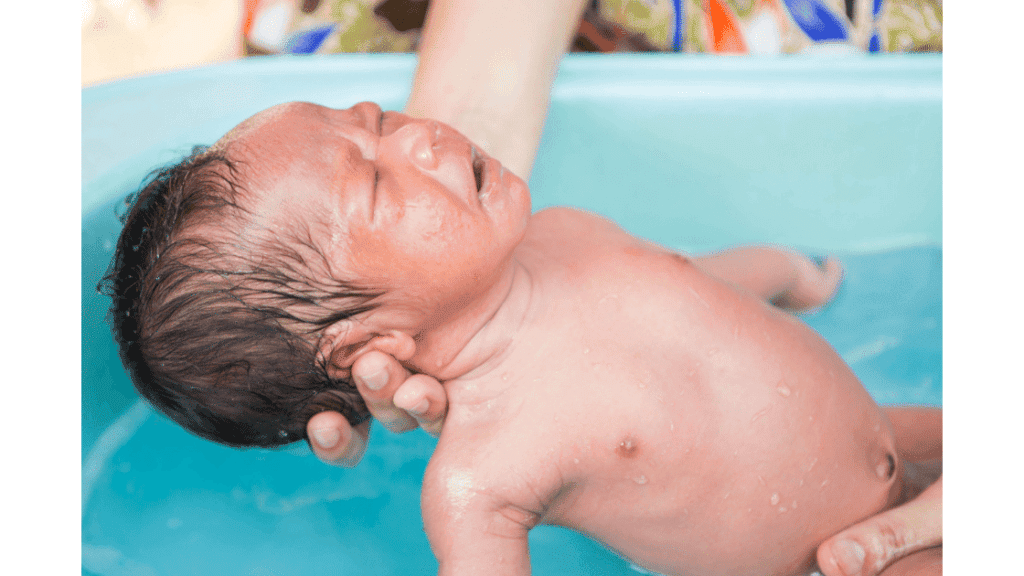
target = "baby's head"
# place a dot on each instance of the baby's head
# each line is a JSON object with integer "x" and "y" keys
{"x": 250, "y": 276}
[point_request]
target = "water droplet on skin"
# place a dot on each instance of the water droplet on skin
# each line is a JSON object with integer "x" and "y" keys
{"x": 812, "y": 464}
{"x": 671, "y": 426}
{"x": 761, "y": 480}
{"x": 726, "y": 497}
{"x": 793, "y": 505}
{"x": 504, "y": 376}
{"x": 586, "y": 350}
{"x": 575, "y": 460}
{"x": 759, "y": 413}
{"x": 775, "y": 498}
{"x": 824, "y": 483}
{"x": 641, "y": 479}
{"x": 783, "y": 390}
{"x": 641, "y": 385}
{"x": 782, "y": 509}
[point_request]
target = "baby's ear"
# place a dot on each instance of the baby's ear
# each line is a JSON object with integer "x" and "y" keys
{"x": 343, "y": 342}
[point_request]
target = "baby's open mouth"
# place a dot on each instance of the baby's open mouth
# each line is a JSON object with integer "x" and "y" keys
{"x": 478, "y": 170}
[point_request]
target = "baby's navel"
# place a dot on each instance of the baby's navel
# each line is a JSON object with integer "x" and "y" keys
{"x": 887, "y": 468}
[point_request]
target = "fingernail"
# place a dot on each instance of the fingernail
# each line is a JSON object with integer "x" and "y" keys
{"x": 420, "y": 408}
{"x": 325, "y": 437}
{"x": 376, "y": 380}
{"x": 849, "y": 556}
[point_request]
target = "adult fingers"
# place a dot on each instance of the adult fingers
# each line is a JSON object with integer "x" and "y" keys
{"x": 868, "y": 547}
{"x": 334, "y": 441}
{"x": 378, "y": 376}
{"x": 424, "y": 398}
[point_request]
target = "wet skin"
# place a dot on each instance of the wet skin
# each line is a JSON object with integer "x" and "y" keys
{"x": 595, "y": 381}
{"x": 687, "y": 424}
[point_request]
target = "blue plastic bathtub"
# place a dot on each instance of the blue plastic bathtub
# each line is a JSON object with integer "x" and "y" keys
{"x": 839, "y": 155}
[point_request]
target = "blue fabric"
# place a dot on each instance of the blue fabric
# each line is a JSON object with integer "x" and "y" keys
{"x": 307, "y": 41}
{"x": 816, "y": 20}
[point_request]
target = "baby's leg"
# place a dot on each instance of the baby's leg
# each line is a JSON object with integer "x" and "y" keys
{"x": 785, "y": 278}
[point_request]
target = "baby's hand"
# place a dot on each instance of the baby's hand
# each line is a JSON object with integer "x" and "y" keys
{"x": 400, "y": 401}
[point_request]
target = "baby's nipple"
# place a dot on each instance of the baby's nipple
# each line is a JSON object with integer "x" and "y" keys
{"x": 628, "y": 447}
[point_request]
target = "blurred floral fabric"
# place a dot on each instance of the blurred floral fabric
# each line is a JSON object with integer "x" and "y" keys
{"x": 697, "y": 26}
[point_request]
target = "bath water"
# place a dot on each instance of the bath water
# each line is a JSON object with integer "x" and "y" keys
{"x": 157, "y": 501}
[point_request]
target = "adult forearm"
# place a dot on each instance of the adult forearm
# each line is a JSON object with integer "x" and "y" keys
{"x": 486, "y": 68}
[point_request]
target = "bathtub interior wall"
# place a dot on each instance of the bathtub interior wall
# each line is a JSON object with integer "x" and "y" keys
{"x": 695, "y": 153}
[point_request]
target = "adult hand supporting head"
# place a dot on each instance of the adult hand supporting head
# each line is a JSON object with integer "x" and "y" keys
{"x": 486, "y": 69}
{"x": 400, "y": 401}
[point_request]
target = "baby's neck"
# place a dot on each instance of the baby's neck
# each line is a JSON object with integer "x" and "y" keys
{"x": 474, "y": 340}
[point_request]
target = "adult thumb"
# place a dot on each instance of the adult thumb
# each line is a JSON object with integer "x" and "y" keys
{"x": 865, "y": 549}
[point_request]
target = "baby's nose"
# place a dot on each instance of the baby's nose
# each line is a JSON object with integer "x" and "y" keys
{"x": 417, "y": 140}
{"x": 369, "y": 116}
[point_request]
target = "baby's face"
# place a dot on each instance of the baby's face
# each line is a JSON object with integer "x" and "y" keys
{"x": 402, "y": 204}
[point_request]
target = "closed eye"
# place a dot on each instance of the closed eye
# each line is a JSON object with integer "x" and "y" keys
{"x": 376, "y": 182}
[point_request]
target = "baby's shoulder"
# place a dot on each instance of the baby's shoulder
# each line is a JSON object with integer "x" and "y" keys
{"x": 577, "y": 229}
{"x": 590, "y": 237}
{"x": 568, "y": 221}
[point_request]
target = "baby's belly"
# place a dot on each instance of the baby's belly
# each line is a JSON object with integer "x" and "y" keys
{"x": 745, "y": 465}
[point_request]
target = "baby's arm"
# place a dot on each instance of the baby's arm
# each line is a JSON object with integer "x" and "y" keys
{"x": 472, "y": 531}
{"x": 785, "y": 278}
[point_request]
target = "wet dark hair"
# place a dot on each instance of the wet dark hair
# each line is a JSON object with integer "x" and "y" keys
{"x": 217, "y": 331}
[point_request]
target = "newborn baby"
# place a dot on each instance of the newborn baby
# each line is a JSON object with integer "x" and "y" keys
{"x": 663, "y": 405}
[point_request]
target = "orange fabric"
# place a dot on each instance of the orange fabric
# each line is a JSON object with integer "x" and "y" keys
{"x": 726, "y": 36}
{"x": 249, "y": 15}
